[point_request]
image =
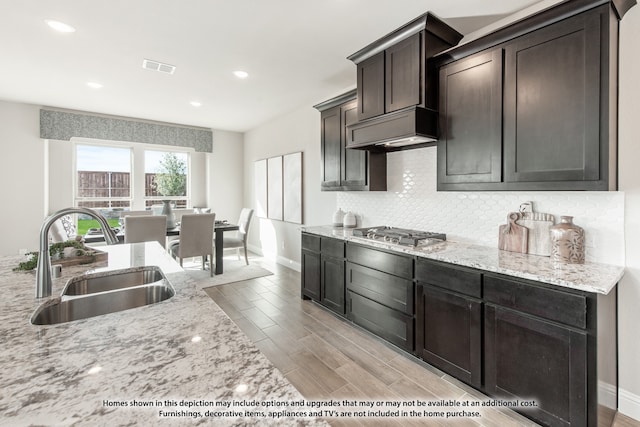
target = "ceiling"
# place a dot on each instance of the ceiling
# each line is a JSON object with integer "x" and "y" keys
{"x": 294, "y": 51}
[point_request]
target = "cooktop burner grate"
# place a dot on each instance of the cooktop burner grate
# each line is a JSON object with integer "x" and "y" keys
{"x": 399, "y": 236}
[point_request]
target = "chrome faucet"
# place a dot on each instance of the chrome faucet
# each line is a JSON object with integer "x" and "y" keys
{"x": 43, "y": 273}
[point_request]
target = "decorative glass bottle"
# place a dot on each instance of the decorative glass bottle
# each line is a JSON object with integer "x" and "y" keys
{"x": 567, "y": 242}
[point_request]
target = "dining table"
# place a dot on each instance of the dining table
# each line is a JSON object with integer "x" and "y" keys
{"x": 95, "y": 236}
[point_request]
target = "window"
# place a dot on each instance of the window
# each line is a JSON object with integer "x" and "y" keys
{"x": 166, "y": 177}
{"x": 103, "y": 177}
{"x": 119, "y": 176}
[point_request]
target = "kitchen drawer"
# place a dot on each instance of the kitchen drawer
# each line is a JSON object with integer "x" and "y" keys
{"x": 395, "y": 264}
{"x": 559, "y": 306}
{"x": 458, "y": 279}
{"x": 392, "y": 325}
{"x": 391, "y": 291}
{"x": 332, "y": 247}
{"x": 311, "y": 242}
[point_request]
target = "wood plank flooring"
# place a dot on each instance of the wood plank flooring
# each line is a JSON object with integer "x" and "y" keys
{"x": 326, "y": 357}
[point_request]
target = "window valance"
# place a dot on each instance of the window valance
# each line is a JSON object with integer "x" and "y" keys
{"x": 64, "y": 125}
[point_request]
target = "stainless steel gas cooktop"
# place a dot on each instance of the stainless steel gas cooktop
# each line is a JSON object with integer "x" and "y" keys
{"x": 400, "y": 236}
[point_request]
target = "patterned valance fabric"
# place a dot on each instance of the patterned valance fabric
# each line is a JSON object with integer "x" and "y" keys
{"x": 63, "y": 125}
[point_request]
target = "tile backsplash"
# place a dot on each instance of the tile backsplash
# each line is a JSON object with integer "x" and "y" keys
{"x": 411, "y": 201}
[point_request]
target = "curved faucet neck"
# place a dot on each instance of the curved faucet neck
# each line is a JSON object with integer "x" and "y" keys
{"x": 43, "y": 272}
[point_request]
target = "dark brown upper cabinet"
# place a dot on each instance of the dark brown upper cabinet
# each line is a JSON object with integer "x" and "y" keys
{"x": 533, "y": 106}
{"x": 370, "y": 83}
{"x": 553, "y": 127}
{"x": 470, "y": 145}
{"x": 344, "y": 169}
{"x": 392, "y": 77}
{"x": 390, "y": 80}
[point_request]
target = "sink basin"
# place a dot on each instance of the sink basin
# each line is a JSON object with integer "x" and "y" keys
{"x": 67, "y": 309}
{"x": 111, "y": 281}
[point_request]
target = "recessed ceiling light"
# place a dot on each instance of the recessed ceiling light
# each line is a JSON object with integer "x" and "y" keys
{"x": 196, "y": 103}
{"x": 241, "y": 74}
{"x": 60, "y": 26}
{"x": 94, "y": 85}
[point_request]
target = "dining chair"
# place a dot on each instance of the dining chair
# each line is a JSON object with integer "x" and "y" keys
{"x": 196, "y": 238}
{"x": 145, "y": 228}
{"x": 240, "y": 239}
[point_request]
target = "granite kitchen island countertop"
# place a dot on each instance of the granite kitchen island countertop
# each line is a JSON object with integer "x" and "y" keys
{"x": 123, "y": 368}
{"x": 587, "y": 277}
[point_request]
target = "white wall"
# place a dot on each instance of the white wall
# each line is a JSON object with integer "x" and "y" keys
{"x": 296, "y": 131}
{"x": 22, "y": 177}
{"x": 225, "y": 176}
{"x": 629, "y": 179}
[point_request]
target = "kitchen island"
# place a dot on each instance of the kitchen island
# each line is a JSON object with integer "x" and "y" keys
{"x": 163, "y": 364}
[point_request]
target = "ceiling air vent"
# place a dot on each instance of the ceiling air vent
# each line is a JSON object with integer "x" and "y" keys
{"x": 150, "y": 64}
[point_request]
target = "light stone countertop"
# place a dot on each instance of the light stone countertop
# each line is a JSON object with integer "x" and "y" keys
{"x": 63, "y": 374}
{"x": 588, "y": 277}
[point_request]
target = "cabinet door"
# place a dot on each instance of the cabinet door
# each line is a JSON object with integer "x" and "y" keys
{"x": 470, "y": 144}
{"x": 392, "y": 325}
{"x": 370, "y": 81}
{"x": 552, "y": 103}
{"x": 310, "y": 275}
{"x": 527, "y": 358}
{"x": 354, "y": 162}
{"x": 332, "y": 282}
{"x": 403, "y": 74}
{"x": 449, "y": 333}
{"x": 331, "y": 149}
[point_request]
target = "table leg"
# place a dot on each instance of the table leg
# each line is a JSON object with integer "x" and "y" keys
{"x": 219, "y": 251}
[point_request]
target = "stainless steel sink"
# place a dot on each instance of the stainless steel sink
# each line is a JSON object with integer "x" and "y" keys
{"x": 95, "y": 294}
{"x": 111, "y": 281}
{"x": 67, "y": 309}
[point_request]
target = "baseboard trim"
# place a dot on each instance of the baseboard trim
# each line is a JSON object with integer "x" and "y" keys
{"x": 607, "y": 394}
{"x": 289, "y": 263}
{"x": 294, "y": 265}
{"x": 255, "y": 249}
{"x": 629, "y": 404}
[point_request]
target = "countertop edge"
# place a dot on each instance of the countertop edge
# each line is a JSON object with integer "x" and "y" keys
{"x": 589, "y": 277}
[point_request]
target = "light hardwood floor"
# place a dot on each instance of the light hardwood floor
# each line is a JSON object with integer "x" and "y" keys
{"x": 325, "y": 357}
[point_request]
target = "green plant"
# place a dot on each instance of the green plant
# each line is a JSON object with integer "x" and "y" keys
{"x": 171, "y": 179}
{"x": 85, "y": 224}
{"x": 56, "y": 249}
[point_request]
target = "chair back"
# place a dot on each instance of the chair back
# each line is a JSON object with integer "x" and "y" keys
{"x": 243, "y": 223}
{"x": 145, "y": 228}
{"x": 196, "y": 235}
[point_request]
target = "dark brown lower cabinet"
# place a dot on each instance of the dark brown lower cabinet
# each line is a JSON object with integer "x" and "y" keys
{"x": 380, "y": 294}
{"x": 310, "y": 258}
{"x": 449, "y": 332}
{"x": 555, "y": 346}
{"x": 332, "y": 283}
{"x": 323, "y": 271}
{"x": 530, "y": 359}
{"x": 392, "y": 325}
{"x": 511, "y": 338}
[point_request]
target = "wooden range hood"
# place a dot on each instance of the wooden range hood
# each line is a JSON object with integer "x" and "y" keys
{"x": 397, "y": 92}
